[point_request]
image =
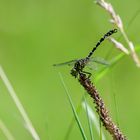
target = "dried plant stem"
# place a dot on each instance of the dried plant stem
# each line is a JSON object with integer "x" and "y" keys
{"x": 101, "y": 109}
{"x": 118, "y": 45}
{"x": 132, "y": 48}
{"x": 19, "y": 105}
{"x": 117, "y": 21}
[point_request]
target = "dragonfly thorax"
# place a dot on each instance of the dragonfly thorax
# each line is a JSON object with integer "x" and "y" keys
{"x": 78, "y": 67}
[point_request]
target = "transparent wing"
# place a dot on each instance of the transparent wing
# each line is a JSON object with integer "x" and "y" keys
{"x": 69, "y": 63}
{"x": 92, "y": 66}
{"x": 99, "y": 60}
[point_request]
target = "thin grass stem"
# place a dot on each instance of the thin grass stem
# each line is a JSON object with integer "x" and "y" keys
{"x": 100, "y": 129}
{"x": 93, "y": 119}
{"x": 73, "y": 108}
{"x": 72, "y": 122}
{"x": 6, "y": 131}
{"x": 88, "y": 117}
{"x": 19, "y": 105}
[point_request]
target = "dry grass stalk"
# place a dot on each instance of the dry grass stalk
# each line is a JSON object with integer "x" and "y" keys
{"x": 116, "y": 20}
{"x": 101, "y": 109}
{"x": 118, "y": 45}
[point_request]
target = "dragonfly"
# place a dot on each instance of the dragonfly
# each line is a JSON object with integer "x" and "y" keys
{"x": 79, "y": 64}
{"x": 90, "y": 65}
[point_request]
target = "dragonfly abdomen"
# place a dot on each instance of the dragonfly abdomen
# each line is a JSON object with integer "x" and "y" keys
{"x": 101, "y": 40}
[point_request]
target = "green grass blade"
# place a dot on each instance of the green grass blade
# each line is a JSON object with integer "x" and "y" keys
{"x": 94, "y": 119}
{"x": 114, "y": 94}
{"x": 113, "y": 62}
{"x": 73, "y": 109}
{"x": 72, "y": 122}
{"x": 100, "y": 129}
{"x": 104, "y": 71}
{"x": 89, "y": 120}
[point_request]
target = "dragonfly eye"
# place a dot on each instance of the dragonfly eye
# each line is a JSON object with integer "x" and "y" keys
{"x": 74, "y": 72}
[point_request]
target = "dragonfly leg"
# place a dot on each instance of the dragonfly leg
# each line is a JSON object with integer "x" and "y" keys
{"x": 88, "y": 73}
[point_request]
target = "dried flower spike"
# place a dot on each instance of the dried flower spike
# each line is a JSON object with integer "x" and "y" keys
{"x": 116, "y": 20}
{"x": 101, "y": 108}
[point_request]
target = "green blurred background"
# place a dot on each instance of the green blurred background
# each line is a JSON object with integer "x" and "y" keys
{"x": 35, "y": 34}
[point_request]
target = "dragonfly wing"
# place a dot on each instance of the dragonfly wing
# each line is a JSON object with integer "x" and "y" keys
{"x": 99, "y": 60}
{"x": 92, "y": 66}
{"x": 69, "y": 63}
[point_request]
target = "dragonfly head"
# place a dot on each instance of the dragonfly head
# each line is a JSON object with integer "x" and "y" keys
{"x": 78, "y": 66}
{"x": 74, "y": 72}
